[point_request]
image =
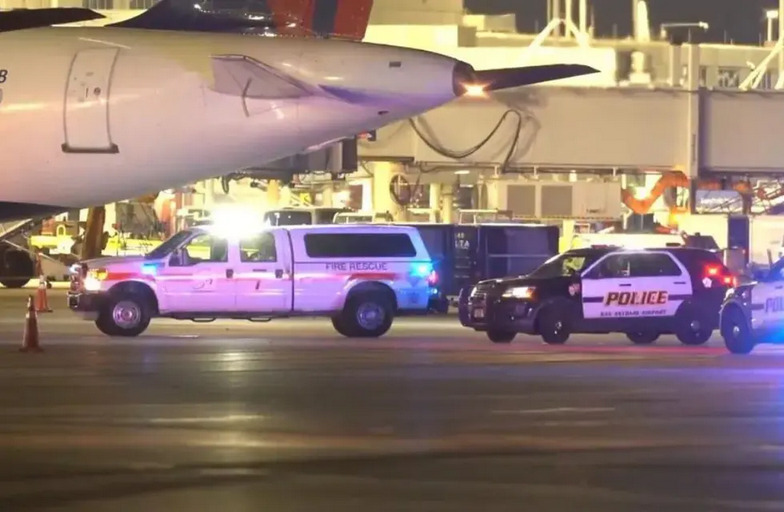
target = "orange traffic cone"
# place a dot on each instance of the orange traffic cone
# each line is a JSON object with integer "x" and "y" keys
{"x": 30, "y": 341}
{"x": 41, "y": 300}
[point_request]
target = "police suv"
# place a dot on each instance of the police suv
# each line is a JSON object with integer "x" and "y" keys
{"x": 643, "y": 293}
{"x": 360, "y": 276}
{"x": 753, "y": 313}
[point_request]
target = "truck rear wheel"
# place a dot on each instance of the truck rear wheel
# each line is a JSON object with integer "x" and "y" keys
{"x": 124, "y": 315}
{"x": 340, "y": 327}
{"x": 367, "y": 315}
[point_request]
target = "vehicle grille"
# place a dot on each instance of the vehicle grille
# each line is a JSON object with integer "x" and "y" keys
{"x": 484, "y": 287}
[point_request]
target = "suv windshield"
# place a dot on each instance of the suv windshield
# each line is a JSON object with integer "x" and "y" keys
{"x": 564, "y": 265}
{"x": 169, "y": 245}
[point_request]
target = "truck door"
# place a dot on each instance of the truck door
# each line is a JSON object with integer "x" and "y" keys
{"x": 198, "y": 277}
{"x": 631, "y": 285}
{"x": 263, "y": 273}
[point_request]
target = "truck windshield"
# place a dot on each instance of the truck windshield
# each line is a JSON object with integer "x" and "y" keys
{"x": 563, "y": 265}
{"x": 169, "y": 245}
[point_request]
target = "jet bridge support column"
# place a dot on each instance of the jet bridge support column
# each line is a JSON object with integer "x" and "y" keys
{"x": 448, "y": 204}
{"x": 286, "y": 195}
{"x": 327, "y": 195}
{"x": 273, "y": 194}
{"x": 693, "y": 129}
{"x": 92, "y": 242}
{"x": 435, "y": 202}
{"x": 383, "y": 173}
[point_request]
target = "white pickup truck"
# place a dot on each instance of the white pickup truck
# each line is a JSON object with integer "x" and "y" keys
{"x": 360, "y": 276}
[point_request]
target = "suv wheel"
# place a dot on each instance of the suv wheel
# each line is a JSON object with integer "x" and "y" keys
{"x": 554, "y": 326}
{"x": 735, "y": 332}
{"x": 692, "y": 327}
{"x": 642, "y": 337}
{"x": 501, "y": 336}
{"x": 124, "y": 315}
{"x": 368, "y": 315}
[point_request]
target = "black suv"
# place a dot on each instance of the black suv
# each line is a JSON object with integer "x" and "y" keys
{"x": 643, "y": 293}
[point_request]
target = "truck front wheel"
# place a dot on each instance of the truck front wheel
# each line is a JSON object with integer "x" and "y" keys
{"x": 124, "y": 315}
{"x": 367, "y": 315}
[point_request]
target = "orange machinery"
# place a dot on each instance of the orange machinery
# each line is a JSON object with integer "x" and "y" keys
{"x": 676, "y": 179}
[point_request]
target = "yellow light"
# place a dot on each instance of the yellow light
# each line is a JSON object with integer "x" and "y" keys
{"x": 98, "y": 273}
{"x": 475, "y": 90}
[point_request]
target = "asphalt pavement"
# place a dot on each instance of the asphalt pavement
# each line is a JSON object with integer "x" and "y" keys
{"x": 288, "y": 415}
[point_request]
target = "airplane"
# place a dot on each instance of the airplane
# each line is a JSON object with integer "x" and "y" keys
{"x": 92, "y": 115}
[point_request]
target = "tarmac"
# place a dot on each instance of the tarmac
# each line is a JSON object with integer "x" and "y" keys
{"x": 289, "y": 415}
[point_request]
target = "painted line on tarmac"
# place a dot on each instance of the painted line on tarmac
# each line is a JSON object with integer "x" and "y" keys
{"x": 570, "y": 357}
{"x": 554, "y": 410}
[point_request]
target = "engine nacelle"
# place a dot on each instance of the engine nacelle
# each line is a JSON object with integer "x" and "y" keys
{"x": 17, "y": 267}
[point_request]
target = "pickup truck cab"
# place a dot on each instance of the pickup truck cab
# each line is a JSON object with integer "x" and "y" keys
{"x": 360, "y": 276}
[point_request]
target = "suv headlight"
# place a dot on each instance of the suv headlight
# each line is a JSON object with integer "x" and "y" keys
{"x": 519, "y": 292}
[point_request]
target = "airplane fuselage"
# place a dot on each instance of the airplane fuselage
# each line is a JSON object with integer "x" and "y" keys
{"x": 94, "y": 115}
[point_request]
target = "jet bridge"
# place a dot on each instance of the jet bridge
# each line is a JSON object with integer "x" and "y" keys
{"x": 705, "y": 132}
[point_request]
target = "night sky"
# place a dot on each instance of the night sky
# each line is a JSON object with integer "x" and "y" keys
{"x": 740, "y": 21}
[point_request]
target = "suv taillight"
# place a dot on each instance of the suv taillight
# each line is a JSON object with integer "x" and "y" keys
{"x": 721, "y": 274}
{"x": 432, "y": 278}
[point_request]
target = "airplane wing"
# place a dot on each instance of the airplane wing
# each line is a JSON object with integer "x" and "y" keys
{"x": 243, "y": 76}
{"x": 528, "y": 75}
{"x": 467, "y": 78}
{"x": 347, "y": 19}
{"x": 20, "y": 19}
